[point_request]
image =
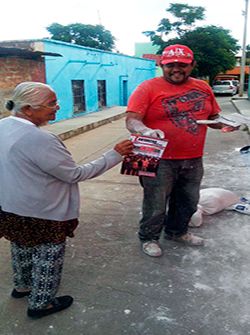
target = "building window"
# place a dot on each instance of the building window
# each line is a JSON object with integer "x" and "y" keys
{"x": 101, "y": 84}
{"x": 78, "y": 96}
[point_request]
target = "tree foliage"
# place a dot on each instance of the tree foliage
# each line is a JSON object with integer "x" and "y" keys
{"x": 93, "y": 36}
{"x": 248, "y": 53}
{"x": 214, "y": 48}
{"x": 184, "y": 18}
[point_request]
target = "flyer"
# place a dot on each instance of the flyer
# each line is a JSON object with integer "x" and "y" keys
{"x": 234, "y": 120}
{"x": 144, "y": 160}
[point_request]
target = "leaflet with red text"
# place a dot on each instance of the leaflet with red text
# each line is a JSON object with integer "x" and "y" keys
{"x": 145, "y": 158}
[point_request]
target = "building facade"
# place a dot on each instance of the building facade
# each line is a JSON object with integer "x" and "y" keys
{"x": 85, "y": 79}
{"x": 15, "y": 67}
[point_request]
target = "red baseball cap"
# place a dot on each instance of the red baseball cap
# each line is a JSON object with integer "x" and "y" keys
{"x": 177, "y": 53}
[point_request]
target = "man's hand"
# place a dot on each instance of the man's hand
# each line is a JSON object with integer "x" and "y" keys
{"x": 153, "y": 133}
{"x": 124, "y": 148}
{"x": 228, "y": 129}
{"x": 135, "y": 125}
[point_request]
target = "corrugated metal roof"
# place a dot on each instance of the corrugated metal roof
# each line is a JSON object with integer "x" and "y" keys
{"x": 25, "y": 53}
{"x": 237, "y": 69}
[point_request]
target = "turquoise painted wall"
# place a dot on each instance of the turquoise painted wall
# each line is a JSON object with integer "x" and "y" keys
{"x": 145, "y": 48}
{"x": 121, "y": 73}
{"x": 148, "y": 48}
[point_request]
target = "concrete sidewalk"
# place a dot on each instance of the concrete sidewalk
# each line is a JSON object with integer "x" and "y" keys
{"x": 78, "y": 125}
{"x": 242, "y": 104}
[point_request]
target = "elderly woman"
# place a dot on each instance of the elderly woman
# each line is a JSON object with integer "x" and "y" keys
{"x": 39, "y": 197}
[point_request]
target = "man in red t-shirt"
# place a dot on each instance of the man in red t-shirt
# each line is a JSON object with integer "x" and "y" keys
{"x": 169, "y": 107}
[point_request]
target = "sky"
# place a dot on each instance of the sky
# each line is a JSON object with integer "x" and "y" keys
{"x": 126, "y": 20}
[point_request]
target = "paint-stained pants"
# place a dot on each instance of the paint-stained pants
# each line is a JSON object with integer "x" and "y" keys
{"x": 171, "y": 198}
{"x": 39, "y": 269}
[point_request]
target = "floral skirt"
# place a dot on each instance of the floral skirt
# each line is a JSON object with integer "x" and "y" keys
{"x": 29, "y": 231}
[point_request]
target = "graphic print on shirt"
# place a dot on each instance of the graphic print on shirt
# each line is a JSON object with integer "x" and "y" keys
{"x": 181, "y": 109}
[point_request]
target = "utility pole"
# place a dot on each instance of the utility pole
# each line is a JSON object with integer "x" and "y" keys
{"x": 99, "y": 17}
{"x": 243, "y": 58}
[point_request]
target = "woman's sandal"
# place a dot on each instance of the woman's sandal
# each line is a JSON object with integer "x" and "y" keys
{"x": 17, "y": 294}
{"x": 58, "y": 305}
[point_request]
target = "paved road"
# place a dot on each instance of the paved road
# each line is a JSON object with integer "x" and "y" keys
{"x": 117, "y": 289}
{"x": 228, "y": 107}
{"x": 225, "y": 104}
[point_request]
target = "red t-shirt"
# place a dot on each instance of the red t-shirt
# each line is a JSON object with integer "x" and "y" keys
{"x": 174, "y": 109}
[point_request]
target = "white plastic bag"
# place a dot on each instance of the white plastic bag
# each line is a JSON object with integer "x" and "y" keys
{"x": 196, "y": 219}
{"x": 212, "y": 200}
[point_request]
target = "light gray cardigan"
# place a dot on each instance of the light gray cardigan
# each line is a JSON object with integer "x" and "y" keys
{"x": 38, "y": 177}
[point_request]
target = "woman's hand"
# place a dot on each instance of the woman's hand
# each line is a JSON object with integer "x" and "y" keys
{"x": 124, "y": 148}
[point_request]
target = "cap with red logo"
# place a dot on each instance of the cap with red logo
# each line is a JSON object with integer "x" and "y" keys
{"x": 177, "y": 53}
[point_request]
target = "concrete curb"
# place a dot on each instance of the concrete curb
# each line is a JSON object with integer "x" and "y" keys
{"x": 77, "y": 131}
{"x": 66, "y": 129}
{"x": 240, "y": 111}
{"x": 234, "y": 102}
{"x": 235, "y": 105}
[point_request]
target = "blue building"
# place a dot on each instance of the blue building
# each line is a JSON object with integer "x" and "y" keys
{"x": 85, "y": 79}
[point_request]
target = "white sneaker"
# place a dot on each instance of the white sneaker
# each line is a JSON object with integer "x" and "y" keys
{"x": 188, "y": 239}
{"x": 152, "y": 248}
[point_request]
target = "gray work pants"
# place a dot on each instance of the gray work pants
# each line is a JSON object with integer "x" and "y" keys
{"x": 170, "y": 198}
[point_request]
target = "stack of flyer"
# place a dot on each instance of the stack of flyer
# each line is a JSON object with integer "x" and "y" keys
{"x": 234, "y": 120}
{"x": 144, "y": 160}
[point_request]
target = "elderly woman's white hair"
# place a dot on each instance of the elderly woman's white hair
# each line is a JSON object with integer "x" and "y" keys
{"x": 28, "y": 93}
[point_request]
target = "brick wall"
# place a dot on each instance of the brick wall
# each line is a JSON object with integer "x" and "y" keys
{"x": 14, "y": 70}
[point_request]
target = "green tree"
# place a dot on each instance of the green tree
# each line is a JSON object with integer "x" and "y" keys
{"x": 213, "y": 46}
{"x": 83, "y": 34}
{"x": 214, "y": 49}
{"x": 248, "y": 54}
{"x": 185, "y": 17}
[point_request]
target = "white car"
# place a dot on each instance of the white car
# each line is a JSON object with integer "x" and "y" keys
{"x": 224, "y": 87}
{"x": 237, "y": 84}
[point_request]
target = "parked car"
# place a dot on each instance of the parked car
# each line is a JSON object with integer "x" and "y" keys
{"x": 237, "y": 84}
{"x": 224, "y": 87}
